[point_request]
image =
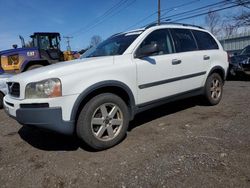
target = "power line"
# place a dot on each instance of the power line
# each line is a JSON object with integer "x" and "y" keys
{"x": 181, "y": 5}
{"x": 213, "y": 5}
{"x": 210, "y": 11}
{"x": 163, "y": 10}
{"x": 104, "y": 15}
{"x": 210, "y": 6}
{"x": 140, "y": 21}
{"x": 107, "y": 17}
{"x": 115, "y": 13}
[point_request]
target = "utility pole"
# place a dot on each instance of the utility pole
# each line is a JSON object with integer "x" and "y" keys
{"x": 159, "y": 12}
{"x": 68, "y": 42}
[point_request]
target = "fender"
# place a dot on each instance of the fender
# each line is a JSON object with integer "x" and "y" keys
{"x": 99, "y": 85}
{"x": 218, "y": 68}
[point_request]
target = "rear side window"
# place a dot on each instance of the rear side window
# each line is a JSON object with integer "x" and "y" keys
{"x": 184, "y": 40}
{"x": 205, "y": 41}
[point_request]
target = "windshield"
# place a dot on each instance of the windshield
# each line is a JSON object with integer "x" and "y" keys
{"x": 245, "y": 51}
{"x": 115, "y": 45}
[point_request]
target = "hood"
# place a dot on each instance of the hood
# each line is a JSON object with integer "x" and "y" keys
{"x": 64, "y": 68}
{"x": 239, "y": 59}
{"x": 17, "y": 50}
{"x": 5, "y": 76}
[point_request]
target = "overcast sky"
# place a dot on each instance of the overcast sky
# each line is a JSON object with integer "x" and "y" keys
{"x": 82, "y": 18}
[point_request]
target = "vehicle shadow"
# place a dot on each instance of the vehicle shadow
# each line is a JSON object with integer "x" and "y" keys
{"x": 49, "y": 141}
{"x": 165, "y": 110}
{"x": 240, "y": 77}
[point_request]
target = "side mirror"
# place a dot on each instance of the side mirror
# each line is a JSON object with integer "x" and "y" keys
{"x": 235, "y": 53}
{"x": 14, "y": 46}
{"x": 147, "y": 50}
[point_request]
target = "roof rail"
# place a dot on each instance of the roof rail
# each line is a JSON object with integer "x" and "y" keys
{"x": 172, "y": 23}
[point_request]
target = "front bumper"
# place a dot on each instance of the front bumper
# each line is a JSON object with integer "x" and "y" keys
{"x": 46, "y": 118}
{"x": 39, "y": 115}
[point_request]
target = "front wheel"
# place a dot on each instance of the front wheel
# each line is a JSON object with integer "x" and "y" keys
{"x": 103, "y": 121}
{"x": 213, "y": 89}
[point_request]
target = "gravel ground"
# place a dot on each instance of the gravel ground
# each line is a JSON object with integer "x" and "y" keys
{"x": 182, "y": 144}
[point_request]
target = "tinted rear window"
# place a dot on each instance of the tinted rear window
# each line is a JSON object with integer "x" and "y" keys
{"x": 204, "y": 40}
{"x": 184, "y": 40}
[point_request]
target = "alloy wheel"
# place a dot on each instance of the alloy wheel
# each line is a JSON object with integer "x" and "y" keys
{"x": 107, "y": 121}
{"x": 215, "y": 89}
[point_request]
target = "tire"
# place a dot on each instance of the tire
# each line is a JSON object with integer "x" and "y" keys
{"x": 98, "y": 127}
{"x": 1, "y": 100}
{"x": 213, "y": 89}
{"x": 35, "y": 66}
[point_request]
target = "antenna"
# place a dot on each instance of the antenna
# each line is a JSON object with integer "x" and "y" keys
{"x": 68, "y": 42}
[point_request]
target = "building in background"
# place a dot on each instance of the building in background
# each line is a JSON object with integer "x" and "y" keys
{"x": 235, "y": 43}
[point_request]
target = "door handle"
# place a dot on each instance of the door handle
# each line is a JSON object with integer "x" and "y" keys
{"x": 176, "y": 61}
{"x": 206, "y": 57}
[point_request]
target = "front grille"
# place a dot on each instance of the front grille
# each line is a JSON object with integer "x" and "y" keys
{"x": 35, "y": 105}
{"x": 14, "y": 89}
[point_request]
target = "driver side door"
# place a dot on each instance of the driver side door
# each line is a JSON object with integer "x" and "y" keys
{"x": 157, "y": 73}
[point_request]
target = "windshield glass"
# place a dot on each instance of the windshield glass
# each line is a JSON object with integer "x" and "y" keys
{"x": 245, "y": 51}
{"x": 115, "y": 45}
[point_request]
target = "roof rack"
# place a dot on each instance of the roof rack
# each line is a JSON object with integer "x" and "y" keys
{"x": 172, "y": 23}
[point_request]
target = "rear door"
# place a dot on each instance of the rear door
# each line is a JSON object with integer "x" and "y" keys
{"x": 194, "y": 62}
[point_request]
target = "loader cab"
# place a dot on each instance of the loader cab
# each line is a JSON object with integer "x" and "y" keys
{"x": 48, "y": 45}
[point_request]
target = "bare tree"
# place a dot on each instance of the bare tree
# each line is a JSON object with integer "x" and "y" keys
{"x": 213, "y": 22}
{"x": 232, "y": 22}
{"x": 243, "y": 19}
{"x": 243, "y": 3}
{"x": 95, "y": 40}
{"x": 230, "y": 30}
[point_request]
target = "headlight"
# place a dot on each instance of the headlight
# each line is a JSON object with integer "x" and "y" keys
{"x": 44, "y": 89}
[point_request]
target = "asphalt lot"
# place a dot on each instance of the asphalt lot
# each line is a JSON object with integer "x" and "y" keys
{"x": 182, "y": 144}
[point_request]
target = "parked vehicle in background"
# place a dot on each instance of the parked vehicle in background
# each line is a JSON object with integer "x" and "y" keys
{"x": 128, "y": 73}
{"x": 3, "y": 87}
{"x": 240, "y": 63}
{"x": 43, "y": 50}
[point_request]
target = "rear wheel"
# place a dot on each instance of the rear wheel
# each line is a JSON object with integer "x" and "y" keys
{"x": 213, "y": 89}
{"x": 103, "y": 121}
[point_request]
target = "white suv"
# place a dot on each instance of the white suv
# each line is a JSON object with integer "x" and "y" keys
{"x": 97, "y": 95}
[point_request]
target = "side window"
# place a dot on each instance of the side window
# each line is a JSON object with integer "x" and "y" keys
{"x": 184, "y": 40}
{"x": 162, "y": 38}
{"x": 44, "y": 42}
{"x": 204, "y": 40}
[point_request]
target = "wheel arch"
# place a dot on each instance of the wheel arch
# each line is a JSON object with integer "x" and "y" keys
{"x": 220, "y": 71}
{"x": 115, "y": 87}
